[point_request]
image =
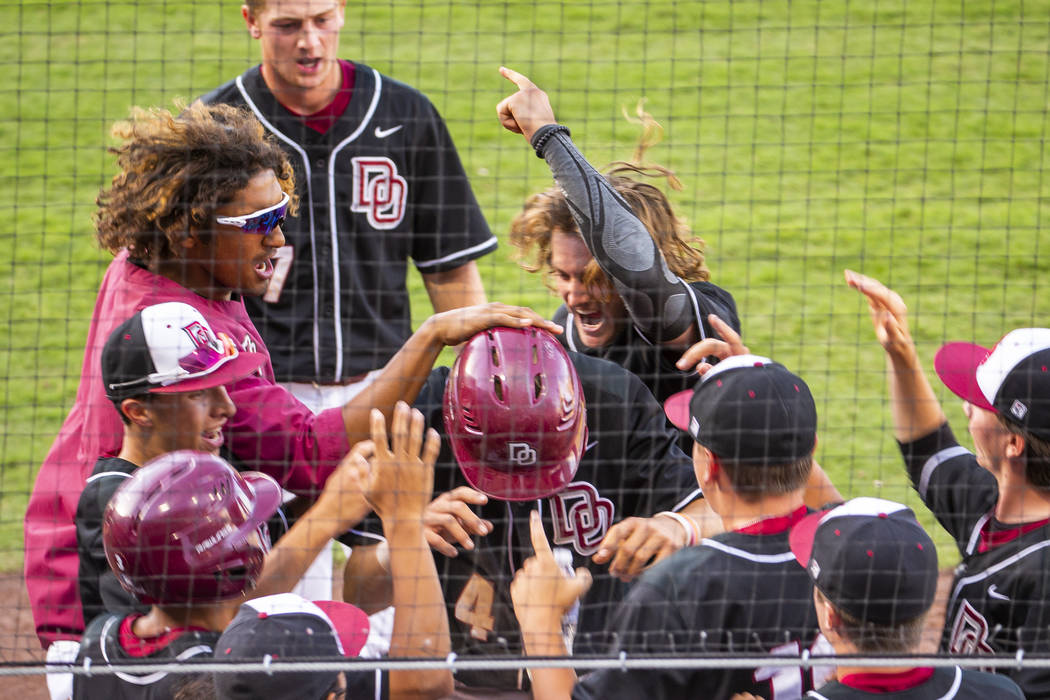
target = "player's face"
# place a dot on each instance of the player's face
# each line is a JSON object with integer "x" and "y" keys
{"x": 990, "y": 438}
{"x": 191, "y": 420}
{"x": 597, "y": 321}
{"x": 226, "y": 259}
{"x": 299, "y": 40}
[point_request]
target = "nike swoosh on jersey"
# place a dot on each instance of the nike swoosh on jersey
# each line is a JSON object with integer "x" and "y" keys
{"x": 994, "y": 593}
{"x": 382, "y": 133}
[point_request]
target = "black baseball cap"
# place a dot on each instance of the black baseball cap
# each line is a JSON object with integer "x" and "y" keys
{"x": 1012, "y": 379}
{"x": 870, "y": 558}
{"x": 286, "y": 627}
{"x": 749, "y": 410}
{"x": 170, "y": 348}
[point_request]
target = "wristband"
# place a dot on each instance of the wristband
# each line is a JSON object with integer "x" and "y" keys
{"x": 543, "y": 135}
{"x": 687, "y": 524}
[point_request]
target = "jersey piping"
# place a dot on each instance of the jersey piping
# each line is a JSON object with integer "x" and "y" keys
{"x": 309, "y": 195}
{"x": 152, "y": 677}
{"x": 743, "y": 554}
{"x": 932, "y": 463}
{"x": 94, "y": 477}
{"x": 490, "y": 243}
{"x": 961, "y": 583}
{"x": 336, "y": 279}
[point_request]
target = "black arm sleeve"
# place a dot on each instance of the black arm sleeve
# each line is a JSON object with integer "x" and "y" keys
{"x": 656, "y": 299}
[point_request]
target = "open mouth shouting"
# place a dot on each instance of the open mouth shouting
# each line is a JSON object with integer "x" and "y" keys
{"x": 212, "y": 440}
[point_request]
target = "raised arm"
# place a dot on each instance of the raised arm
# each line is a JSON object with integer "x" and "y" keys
{"x": 399, "y": 483}
{"x": 658, "y": 301}
{"x": 916, "y": 410}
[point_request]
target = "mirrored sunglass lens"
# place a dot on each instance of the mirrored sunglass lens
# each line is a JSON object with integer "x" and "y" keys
{"x": 264, "y": 223}
{"x": 201, "y": 359}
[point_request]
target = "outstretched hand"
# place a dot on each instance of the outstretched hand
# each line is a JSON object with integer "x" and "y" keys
{"x": 459, "y": 325}
{"x": 399, "y": 478}
{"x": 889, "y": 313}
{"x": 541, "y": 591}
{"x": 526, "y": 110}
{"x": 729, "y": 344}
{"x": 449, "y": 520}
{"x": 634, "y": 544}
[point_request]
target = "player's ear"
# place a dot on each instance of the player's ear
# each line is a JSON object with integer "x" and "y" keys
{"x": 250, "y": 20}
{"x": 1015, "y": 445}
{"x": 137, "y": 411}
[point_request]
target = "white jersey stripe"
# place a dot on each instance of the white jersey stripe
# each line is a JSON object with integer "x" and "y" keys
{"x": 490, "y": 243}
{"x": 94, "y": 477}
{"x": 975, "y": 534}
{"x": 954, "y": 690}
{"x": 333, "y": 218}
{"x": 995, "y": 569}
{"x": 935, "y": 461}
{"x": 309, "y": 206}
{"x": 743, "y": 554}
{"x": 152, "y": 677}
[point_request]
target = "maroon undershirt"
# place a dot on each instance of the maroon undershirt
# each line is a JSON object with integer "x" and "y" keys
{"x": 771, "y": 526}
{"x": 322, "y": 120}
{"x": 142, "y": 647}
{"x": 887, "y": 682}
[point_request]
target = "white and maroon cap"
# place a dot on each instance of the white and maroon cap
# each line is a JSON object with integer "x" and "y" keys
{"x": 169, "y": 348}
{"x": 871, "y": 558}
{"x": 1012, "y": 379}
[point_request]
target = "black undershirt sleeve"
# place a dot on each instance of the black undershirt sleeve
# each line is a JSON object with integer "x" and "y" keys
{"x": 656, "y": 299}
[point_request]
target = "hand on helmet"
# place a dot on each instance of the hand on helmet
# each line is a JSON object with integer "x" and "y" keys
{"x": 459, "y": 325}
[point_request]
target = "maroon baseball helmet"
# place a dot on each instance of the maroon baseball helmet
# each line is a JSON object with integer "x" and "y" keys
{"x": 515, "y": 414}
{"x": 188, "y": 528}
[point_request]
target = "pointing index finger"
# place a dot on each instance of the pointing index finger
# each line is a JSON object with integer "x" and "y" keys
{"x": 539, "y": 537}
{"x": 517, "y": 78}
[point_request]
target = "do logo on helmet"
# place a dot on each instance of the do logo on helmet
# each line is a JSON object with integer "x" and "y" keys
{"x": 521, "y": 454}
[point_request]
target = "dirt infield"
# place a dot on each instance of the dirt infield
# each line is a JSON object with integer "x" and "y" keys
{"x": 18, "y": 642}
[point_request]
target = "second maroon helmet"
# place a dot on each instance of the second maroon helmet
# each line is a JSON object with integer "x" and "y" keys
{"x": 187, "y": 528}
{"x": 515, "y": 414}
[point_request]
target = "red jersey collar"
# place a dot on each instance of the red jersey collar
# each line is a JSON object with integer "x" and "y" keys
{"x": 775, "y": 524}
{"x": 888, "y": 682}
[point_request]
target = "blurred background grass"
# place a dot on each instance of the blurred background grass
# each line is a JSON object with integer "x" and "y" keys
{"x": 904, "y": 139}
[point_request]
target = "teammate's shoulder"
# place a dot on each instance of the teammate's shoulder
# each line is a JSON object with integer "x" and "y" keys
{"x": 228, "y": 92}
{"x": 111, "y": 467}
{"x": 989, "y": 685}
{"x": 392, "y": 86}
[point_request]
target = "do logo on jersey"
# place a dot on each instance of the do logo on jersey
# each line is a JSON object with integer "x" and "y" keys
{"x": 581, "y": 517}
{"x": 378, "y": 191}
{"x": 521, "y": 454}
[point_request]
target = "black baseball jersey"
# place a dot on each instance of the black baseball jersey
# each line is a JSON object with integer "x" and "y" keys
{"x": 100, "y": 591}
{"x": 1000, "y": 597}
{"x": 383, "y": 184}
{"x": 632, "y": 467}
{"x": 653, "y": 363}
{"x": 950, "y": 683}
{"x": 108, "y": 640}
{"x": 740, "y": 592}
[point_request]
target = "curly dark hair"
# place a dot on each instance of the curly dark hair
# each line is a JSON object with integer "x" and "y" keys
{"x": 176, "y": 171}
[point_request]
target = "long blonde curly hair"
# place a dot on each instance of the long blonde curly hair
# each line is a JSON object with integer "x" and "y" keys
{"x": 546, "y": 212}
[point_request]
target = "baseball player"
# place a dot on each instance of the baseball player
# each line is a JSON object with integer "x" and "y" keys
{"x": 205, "y": 234}
{"x": 530, "y": 426}
{"x": 379, "y": 181}
{"x": 874, "y": 572}
{"x": 995, "y": 503}
{"x": 148, "y": 524}
{"x": 185, "y": 554}
{"x": 634, "y": 290}
{"x": 754, "y": 424}
{"x": 167, "y": 385}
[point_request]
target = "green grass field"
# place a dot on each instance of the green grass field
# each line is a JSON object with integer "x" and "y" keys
{"x": 901, "y": 139}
